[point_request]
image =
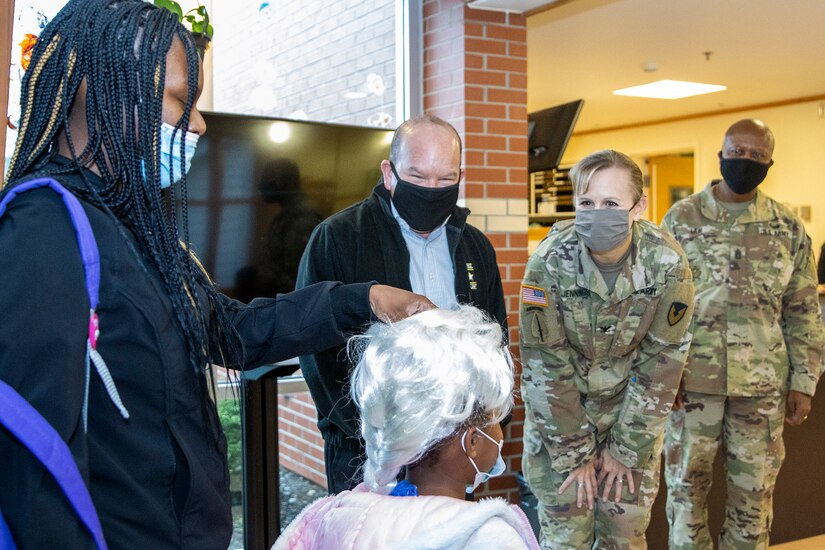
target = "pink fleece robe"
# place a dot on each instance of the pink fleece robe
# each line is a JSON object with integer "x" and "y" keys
{"x": 360, "y": 519}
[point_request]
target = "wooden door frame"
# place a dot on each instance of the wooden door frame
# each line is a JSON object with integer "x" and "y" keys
{"x": 6, "y": 28}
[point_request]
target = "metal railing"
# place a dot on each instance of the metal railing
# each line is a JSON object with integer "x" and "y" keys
{"x": 259, "y": 414}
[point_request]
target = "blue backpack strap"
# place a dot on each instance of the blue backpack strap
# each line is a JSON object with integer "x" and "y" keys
{"x": 32, "y": 430}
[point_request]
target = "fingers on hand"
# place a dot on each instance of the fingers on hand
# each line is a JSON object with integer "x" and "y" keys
{"x": 631, "y": 485}
{"x": 592, "y": 489}
{"x": 608, "y": 484}
{"x": 589, "y": 490}
{"x": 581, "y": 489}
{"x": 618, "y": 492}
{"x": 584, "y": 490}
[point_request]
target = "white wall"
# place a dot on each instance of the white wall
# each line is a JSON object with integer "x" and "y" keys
{"x": 797, "y": 177}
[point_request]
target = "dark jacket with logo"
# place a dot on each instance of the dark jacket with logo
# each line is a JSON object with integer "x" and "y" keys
{"x": 364, "y": 243}
{"x": 159, "y": 479}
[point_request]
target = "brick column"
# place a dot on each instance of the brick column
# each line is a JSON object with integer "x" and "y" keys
{"x": 475, "y": 76}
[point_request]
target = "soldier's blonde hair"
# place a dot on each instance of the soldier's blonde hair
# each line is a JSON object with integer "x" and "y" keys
{"x": 422, "y": 380}
{"x": 582, "y": 172}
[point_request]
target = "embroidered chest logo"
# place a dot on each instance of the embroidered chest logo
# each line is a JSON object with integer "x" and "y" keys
{"x": 471, "y": 276}
{"x": 676, "y": 312}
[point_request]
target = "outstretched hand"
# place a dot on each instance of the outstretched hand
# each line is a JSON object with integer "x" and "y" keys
{"x": 615, "y": 473}
{"x": 585, "y": 479}
{"x": 393, "y": 304}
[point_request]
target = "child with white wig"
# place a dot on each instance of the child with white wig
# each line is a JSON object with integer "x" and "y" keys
{"x": 431, "y": 391}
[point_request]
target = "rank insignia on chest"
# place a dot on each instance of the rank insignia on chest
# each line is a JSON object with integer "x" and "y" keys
{"x": 533, "y": 295}
{"x": 471, "y": 276}
{"x": 676, "y": 312}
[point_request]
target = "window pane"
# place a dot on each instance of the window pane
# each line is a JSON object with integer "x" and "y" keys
{"x": 326, "y": 60}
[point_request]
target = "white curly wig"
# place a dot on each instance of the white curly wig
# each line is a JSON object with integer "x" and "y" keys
{"x": 420, "y": 380}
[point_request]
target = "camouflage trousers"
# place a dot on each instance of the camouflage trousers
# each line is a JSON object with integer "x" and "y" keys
{"x": 751, "y": 429}
{"x": 609, "y": 525}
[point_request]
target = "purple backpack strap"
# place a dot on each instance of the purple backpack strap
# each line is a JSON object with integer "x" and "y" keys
{"x": 5, "y": 535}
{"x": 85, "y": 238}
{"x": 21, "y": 419}
{"x": 90, "y": 256}
{"x": 31, "y": 429}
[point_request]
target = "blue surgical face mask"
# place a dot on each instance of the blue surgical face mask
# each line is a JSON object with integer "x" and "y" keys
{"x": 170, "y": 154}
{"x": 495, "y": 471}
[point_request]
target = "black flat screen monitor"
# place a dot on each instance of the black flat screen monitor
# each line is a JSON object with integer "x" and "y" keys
{"x": 549, "y": 130}
{"x": 258, "y": 187}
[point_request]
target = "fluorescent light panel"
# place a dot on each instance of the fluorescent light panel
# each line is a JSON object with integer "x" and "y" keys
{"x": 670, "y": 89}
{"x": 516, "y": 6}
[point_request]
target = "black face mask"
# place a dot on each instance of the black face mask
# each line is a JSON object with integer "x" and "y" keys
{"x": 743, "y": 175}
{"x": 424, "y": 208}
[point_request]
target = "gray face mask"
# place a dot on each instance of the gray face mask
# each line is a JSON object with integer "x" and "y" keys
{"x": 602, "y": 230}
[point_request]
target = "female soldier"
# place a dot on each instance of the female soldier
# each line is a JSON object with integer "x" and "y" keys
{"x": 605, "y": 307}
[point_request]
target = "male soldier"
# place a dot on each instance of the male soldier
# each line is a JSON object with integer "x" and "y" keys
{"x": 410, "y": 232}
{"x": 757, "y": 345}
{"x": 605, "y": 308}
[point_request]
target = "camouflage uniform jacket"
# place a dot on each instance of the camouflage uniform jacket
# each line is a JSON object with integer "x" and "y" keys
{"x": 601, "y": 367}
{"x": 757, "y": 329}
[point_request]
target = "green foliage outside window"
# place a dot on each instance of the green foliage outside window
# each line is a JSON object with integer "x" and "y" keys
{"x": 229, "y": 411}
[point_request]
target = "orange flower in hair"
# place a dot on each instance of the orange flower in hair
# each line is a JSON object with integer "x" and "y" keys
{"x": 26, "y": 47}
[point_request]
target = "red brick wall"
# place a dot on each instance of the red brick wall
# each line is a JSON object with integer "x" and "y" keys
{"x": 300, "y": 444}
{"x": 475, "y": 76}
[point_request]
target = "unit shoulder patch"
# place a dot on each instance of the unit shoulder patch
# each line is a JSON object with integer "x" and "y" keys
{"x": 676, "y": 313}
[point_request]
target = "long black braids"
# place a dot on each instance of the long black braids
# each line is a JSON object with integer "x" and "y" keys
{"x": 117, "y": 49}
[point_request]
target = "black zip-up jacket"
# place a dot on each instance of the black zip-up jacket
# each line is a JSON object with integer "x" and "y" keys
{"x": 364, "y": 243}
{"x": 158, "y": 480}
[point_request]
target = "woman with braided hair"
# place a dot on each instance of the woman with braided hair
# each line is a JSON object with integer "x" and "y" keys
{"x": 109, "y": 113}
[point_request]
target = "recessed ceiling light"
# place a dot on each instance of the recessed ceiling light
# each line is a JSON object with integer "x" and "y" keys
{"x": 670, "y": 89}
{"x": 355, "y": 95}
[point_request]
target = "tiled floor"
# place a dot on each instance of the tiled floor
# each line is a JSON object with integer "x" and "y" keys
{"x": 813, "y": 543}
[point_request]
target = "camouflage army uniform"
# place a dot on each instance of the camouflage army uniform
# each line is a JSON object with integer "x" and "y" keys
{"x": 600, "y": 371}
{"x": 757, "y": 334}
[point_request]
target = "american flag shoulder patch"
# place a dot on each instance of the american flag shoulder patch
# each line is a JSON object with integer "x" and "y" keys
{"x": 533, "y": 295}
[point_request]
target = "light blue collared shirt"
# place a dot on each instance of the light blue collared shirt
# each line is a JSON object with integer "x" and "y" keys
{"x": 431, "y": 268}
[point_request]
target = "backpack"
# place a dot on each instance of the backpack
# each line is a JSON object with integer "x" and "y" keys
{"x": 22, "y": 420}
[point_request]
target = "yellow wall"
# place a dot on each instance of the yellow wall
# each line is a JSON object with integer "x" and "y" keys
{"x": 797, "y": 178}
{"x": 666, "y": 173}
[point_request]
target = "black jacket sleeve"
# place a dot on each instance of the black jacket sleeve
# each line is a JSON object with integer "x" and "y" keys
{"x": 495, "y": 291}
{"x": 308, "y": 320}
{"x": 491, "y": 296}
{"x": 43, "y": 336}
{"x": 821, "y": 266}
